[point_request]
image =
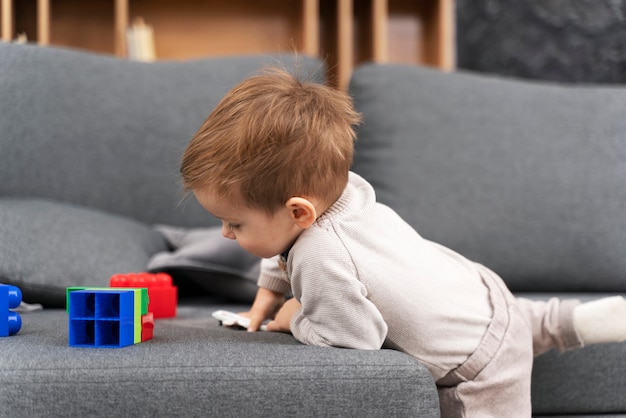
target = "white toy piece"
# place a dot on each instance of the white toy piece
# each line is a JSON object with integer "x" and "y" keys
{"x": 231, "y": 319}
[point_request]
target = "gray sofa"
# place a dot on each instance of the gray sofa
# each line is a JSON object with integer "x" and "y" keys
{"x": 525, "y": 177}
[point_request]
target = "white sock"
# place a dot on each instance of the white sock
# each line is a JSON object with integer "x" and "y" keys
{"x": 601, "y": 321}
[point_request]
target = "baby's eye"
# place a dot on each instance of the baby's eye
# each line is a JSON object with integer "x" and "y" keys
{"x": 233, "y": 226}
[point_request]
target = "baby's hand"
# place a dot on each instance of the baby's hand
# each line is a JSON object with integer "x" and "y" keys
{"x": 282, "y": 321}
{"x": 231, "y": 319}
{"x": 266, "y": 304}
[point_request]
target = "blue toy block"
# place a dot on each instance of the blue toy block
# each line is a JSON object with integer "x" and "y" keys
{"x": 141, "y": 304}
{"x": 10, "y": 298}
{"x": 103, "y": 318}
{"x": 142, "y": 295}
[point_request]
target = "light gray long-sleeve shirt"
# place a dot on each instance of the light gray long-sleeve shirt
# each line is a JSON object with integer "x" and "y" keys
{"x": 365, "y": 278}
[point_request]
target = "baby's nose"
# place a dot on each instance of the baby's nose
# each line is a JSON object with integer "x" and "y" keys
{"x": 227, "y": 232}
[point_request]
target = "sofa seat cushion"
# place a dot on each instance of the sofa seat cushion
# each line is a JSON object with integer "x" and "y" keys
{"x": 525, "y": 177}
{"x": 195, "y": 368}
{"x": 46, "y": 246}
{"x": 585, "y": 381}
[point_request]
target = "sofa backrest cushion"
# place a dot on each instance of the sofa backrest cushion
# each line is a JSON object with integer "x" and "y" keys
{"x": 109, "y": 133}
{"x": 528, "y": 178}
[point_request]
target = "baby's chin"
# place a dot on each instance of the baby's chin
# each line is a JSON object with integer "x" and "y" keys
{"x": 262, "y": 253}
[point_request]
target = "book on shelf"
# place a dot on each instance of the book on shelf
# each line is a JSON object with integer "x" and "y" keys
{"x": 21, "y": 38}
{"x": 140, "y": 41}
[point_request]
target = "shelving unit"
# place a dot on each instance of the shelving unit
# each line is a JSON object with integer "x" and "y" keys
{"x": 343, "y": 32}
{"x": 41, "y": 15}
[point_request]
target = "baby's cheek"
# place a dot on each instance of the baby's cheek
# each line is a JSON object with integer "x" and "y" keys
{"x": 247, "y": 245}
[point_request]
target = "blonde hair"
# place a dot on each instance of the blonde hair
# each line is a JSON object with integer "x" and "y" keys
{"x": 273, "y": 137}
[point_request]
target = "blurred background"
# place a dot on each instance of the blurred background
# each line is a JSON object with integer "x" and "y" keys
{"x": 578, "y": 41}
{"x": 575, "y": 41}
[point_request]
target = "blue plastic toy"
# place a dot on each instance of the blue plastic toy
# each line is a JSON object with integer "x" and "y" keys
{"x": 10, "y": 298}
{"x": 105, "y": 317}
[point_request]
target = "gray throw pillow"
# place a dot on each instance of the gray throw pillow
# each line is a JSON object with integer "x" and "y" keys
{"x": 203, "y": 259}
{"x": 46, "y": 246}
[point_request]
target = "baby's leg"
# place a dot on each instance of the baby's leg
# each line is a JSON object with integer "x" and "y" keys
{"x": 568, "y": 324}
{"x": 502, "y": 387}
{"x": 495, "y": 380}
{"x": 552, "y": 323}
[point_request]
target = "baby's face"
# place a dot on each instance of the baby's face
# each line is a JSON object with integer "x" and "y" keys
{"x": 256, "y": 232}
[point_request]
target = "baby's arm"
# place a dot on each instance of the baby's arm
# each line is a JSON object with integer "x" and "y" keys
{"x": 266, "y": 304}
{"x": 336, "y": 307}
{"x": 282, "y": 321}
{"x": 273, "y": 285}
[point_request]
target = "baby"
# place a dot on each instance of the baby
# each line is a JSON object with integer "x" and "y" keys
{"x": 272, "y": 161}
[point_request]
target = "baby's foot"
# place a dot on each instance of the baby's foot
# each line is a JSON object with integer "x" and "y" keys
{"x": 601, "y": 321}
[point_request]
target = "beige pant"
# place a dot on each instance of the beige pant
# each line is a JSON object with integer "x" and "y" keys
{"x": 495, "y": 380}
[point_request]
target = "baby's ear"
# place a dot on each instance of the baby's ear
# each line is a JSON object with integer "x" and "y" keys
{"x": 302, "y": 211}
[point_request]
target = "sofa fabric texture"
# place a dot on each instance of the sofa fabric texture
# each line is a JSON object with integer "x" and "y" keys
{"x": 524, "y": 177}
{"x": 195, "y": 368}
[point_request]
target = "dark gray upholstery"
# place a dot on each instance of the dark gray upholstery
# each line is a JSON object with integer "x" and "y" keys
{"x": 195, "y": 368}
{"x": 587, "y": 381}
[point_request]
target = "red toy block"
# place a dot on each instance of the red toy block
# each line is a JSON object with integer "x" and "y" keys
{"x": 147, "y": 326}
{"x": 162, "y": 294}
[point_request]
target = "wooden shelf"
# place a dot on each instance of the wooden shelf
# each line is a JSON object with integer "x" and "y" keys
{"x": 195, "y": 28}
{"x": 398, "y": 31}
{"x": 345, "y": 33}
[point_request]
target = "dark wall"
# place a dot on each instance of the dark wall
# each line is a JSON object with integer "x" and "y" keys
{"x": 565, "y": 40}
